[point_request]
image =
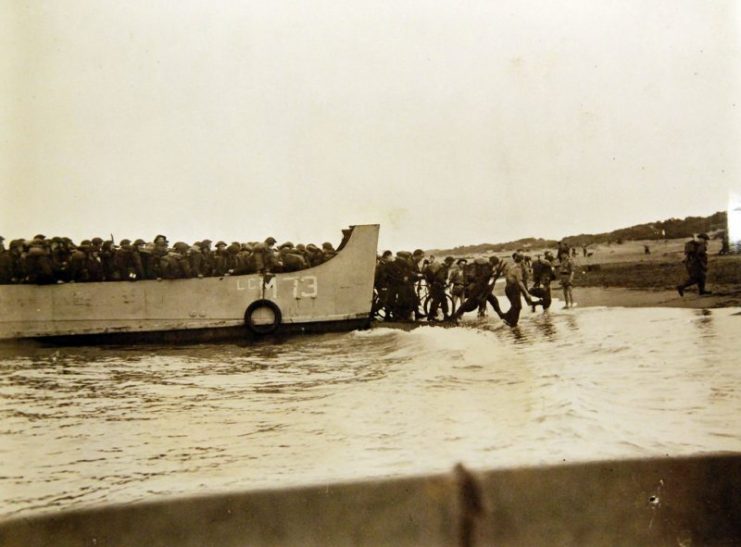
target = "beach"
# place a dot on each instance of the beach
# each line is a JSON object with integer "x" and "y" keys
{"x": 625, "y": 275}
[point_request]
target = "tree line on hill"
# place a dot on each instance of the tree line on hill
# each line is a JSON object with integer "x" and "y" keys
{"x": 662, "y": 229}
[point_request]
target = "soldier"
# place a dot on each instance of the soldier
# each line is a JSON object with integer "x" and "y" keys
{"x": 436, "y": 275}
{"x": 96, "y": 245}
{"x": 157, "y": 259}
{"x": 108, "y": 261}
{"x": 145, "y": 254}
{"x": 315, "y": 256}
{"x": 195, "y": 259}
{"x": 59, "y": 259}
{"x": 563, "y": 249}
{"x": 207, "y": 258}
{"x": 567, "y": 269}
{"x": 515, "y": 289}
{"x": 269, "y": 258}
{"x": 328, "y": 251}
{"x": 543, "y": 275}
{"x": 301, "y": 249}
{"x": 79, "y": 262}
{"x": 128, "y": 262}
{"x": 481, "y": 277}
{"x": 291, "y": 259}
{"x": 39, "y": 266}
{"x": 221, "y": 259}
{"x": 457, "y": 280}
{"x": 402, "y": 280}
{"x": 725, "y": 243}
{"x": 257, "y": 258}
{"x": 382, "y": 285}
{"x": 17, "y": 261}
{"x": 94, "y": 264}
{"x": 232, "y": 258}
{"x": 418, "y": 261}
{"x": 244, "y": 259}
{"x": 177, "y": 263}
{"x": 696, "y": 263}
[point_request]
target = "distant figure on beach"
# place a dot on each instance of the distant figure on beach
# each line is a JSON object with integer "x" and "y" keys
{"x": 566, "y": 270}
{"x": 646, "y": 250}
{"x": 563, "y": 249}
{"x": 696, "y": 264}
{"x": 725, "y": 245}
{"x": 584, "y": 250}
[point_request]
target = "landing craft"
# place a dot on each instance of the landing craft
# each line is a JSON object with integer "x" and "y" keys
{"x": 336, "y": 295}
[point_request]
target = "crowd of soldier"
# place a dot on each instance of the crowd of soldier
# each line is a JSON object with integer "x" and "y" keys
{"x": 43, "y": 260}
{"x": 469, "y": 284}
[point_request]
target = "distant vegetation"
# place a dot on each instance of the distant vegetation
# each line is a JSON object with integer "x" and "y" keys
{"x": 670, "y": 229}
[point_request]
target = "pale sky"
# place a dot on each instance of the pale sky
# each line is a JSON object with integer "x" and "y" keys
{"x": 446, "y": 122}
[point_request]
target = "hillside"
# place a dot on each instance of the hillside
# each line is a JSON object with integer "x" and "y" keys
{"x": 661, "y": 229}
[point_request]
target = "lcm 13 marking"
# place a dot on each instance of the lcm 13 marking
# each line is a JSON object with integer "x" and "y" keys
{"x": 299, "y": 286}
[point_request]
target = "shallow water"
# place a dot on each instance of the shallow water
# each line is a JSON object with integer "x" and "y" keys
{"x": 82, "y": 426}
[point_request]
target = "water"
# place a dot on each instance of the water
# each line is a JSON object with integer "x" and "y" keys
{"x": 82, "y": 426}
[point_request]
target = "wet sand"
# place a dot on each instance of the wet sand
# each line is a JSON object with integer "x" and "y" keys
{"x": 645, "y": 298}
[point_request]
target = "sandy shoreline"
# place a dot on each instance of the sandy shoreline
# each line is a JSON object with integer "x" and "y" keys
{"x": 633, "y": 298}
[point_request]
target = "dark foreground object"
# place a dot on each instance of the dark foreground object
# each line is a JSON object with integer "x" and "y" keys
{"x": 681, "y": 501}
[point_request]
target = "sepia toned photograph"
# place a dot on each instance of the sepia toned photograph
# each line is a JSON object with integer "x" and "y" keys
{"x": 370, "y": 273}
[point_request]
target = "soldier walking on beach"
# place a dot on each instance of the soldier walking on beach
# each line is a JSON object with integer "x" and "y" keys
{"x": 696, "y": 263}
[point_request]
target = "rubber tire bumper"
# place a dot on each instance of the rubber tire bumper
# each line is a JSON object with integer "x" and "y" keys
{"x": 258, "y": 328}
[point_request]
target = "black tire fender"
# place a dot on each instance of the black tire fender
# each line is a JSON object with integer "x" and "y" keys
{"x": 262, "y": 328}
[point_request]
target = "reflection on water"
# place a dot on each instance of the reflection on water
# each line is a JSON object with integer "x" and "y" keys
{"x": 86, "y": 425}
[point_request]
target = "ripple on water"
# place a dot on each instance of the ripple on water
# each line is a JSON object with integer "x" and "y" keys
{"x": 86, "y": 425}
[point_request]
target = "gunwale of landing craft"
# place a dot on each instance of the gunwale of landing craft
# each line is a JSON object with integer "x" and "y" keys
{"x": 335, "y": 294}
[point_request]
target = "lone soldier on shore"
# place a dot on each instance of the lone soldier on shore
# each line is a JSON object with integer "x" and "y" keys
{"x": 696, "y": 263}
